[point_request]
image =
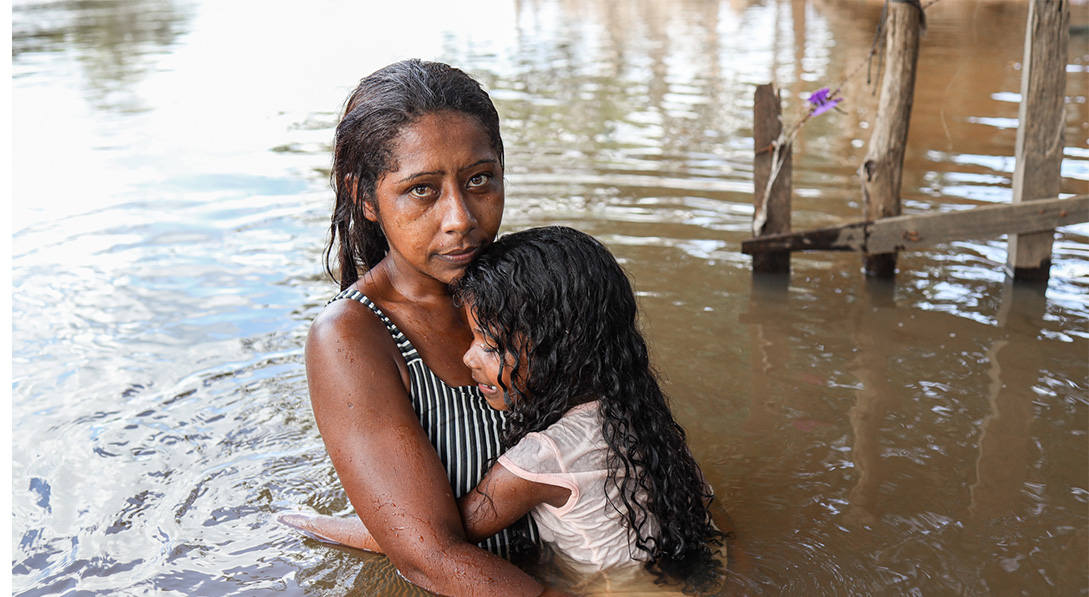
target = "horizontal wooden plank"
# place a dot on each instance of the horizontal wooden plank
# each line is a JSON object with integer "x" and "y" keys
{"x": 908, "y": 233}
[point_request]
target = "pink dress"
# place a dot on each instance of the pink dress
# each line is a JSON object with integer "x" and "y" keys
{"x": 585, "y": 531}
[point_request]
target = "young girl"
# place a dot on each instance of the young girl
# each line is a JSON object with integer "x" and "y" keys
{"x": 592, "y": 451}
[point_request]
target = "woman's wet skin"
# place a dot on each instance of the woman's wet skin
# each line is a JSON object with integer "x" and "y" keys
{"x": 438, "y": 207}
{"x": 442, "y": 204}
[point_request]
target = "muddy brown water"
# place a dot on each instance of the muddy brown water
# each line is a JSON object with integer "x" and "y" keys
{"x": 926, "y": 435}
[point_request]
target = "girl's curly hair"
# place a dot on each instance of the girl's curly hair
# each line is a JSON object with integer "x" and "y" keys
{"x": 557, "y": 303}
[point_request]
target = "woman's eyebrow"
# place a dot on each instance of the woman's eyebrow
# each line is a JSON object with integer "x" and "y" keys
{"x": 419, "y": 174}
{"x": 441, "y": 172}
{"x": 475, "y": 164}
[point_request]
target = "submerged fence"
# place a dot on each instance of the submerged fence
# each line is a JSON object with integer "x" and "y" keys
{"x": 1029, "y": 220}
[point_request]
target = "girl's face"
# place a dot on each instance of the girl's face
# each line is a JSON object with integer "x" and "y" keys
{"x": 484, "y": 360}
{"x": 444, "y": 202}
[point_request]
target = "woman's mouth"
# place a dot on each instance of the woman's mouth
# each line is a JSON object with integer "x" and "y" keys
{"x": 461, "y": 256}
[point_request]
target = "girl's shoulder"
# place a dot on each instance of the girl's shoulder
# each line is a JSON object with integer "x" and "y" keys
{"x": 580, "y": 418}
{"x": 574, "y": 444}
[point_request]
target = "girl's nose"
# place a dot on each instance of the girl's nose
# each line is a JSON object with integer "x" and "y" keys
{"x": 467, "y": 358}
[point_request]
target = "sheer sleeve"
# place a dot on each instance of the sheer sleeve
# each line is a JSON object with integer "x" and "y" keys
{"x": 537, "y": 458}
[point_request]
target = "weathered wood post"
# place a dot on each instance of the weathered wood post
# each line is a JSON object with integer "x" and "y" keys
{"x": 882, "y": 170}
{"x": 1039, "y": 150}
{"x": 771, "y": 213}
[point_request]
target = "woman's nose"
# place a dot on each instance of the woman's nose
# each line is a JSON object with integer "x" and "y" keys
{"x": 467, "y": 358}
{"x": 457, "y": 213}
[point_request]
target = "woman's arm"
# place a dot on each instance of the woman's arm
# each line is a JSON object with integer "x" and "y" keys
{"x": 388, "y": 468}
{"x": 498, "y": 501}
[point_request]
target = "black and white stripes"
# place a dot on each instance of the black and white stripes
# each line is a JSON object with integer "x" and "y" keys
{"x": 457, "y": 420}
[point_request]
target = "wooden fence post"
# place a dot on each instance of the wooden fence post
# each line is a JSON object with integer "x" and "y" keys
{"x": 771, "y": 213}
{"x": 1039, "y": 148}
{"x": 882, "y": 170}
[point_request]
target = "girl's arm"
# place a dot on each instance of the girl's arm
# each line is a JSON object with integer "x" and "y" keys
{"x": 388, "y": 468}
{"x": 495, "y": 503}
{"x": 501, "y": 498}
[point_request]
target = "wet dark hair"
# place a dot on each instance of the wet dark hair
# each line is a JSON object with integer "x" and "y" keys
{"x": 383, "y": 104}
{"x": 556, "y": 300}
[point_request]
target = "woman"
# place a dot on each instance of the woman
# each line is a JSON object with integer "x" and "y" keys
{"x": 593, "y": 451}
{"x": 418, "y": 174}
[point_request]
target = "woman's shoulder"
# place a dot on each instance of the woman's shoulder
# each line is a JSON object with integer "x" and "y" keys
{"x": 346, "y": 316}
{"x": 347, "y": 330}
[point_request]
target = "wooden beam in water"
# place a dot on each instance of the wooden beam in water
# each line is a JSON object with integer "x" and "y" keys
{"x": 771, "y": 205}
{"x": 882, "y": 170}
{"x": 909, "y": 233}
{"x": 1040, "y": 130}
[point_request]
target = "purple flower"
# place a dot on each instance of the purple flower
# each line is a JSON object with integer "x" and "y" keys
{"x": 821, "y": 103}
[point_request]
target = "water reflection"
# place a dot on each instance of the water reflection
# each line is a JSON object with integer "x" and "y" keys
{"x": 115, "y": 42}
{"x": 1005, "y": 441}
{"x": 874, "y": 335}
{"x": 941, "y": 443}
{"x": 927, "y": 436}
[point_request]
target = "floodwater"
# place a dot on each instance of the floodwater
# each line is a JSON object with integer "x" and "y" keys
{"x": 925, "y": 435}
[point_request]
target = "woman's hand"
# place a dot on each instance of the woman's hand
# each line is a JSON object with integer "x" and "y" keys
{"x": 350, "y": 532}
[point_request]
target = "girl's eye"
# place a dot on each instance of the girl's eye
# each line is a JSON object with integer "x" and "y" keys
{"x": 479, "y": 180}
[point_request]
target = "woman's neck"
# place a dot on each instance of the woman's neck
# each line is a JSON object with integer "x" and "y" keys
{"x": 425, "y": 312}
{"x": 400, "y": 284}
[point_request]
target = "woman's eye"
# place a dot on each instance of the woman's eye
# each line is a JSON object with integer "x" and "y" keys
{"x": 421, "y": 191}
{"x": 479, "y": 180}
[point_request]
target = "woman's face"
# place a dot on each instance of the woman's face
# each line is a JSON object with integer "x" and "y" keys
{"x": 444, "y": 201}
{"x": 485, "y": 361}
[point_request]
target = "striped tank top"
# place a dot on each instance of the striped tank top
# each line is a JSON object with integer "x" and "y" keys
{"x": 457, "y": 421}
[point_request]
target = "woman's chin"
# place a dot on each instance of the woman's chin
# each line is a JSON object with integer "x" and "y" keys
{"x": 449, "y": 274}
